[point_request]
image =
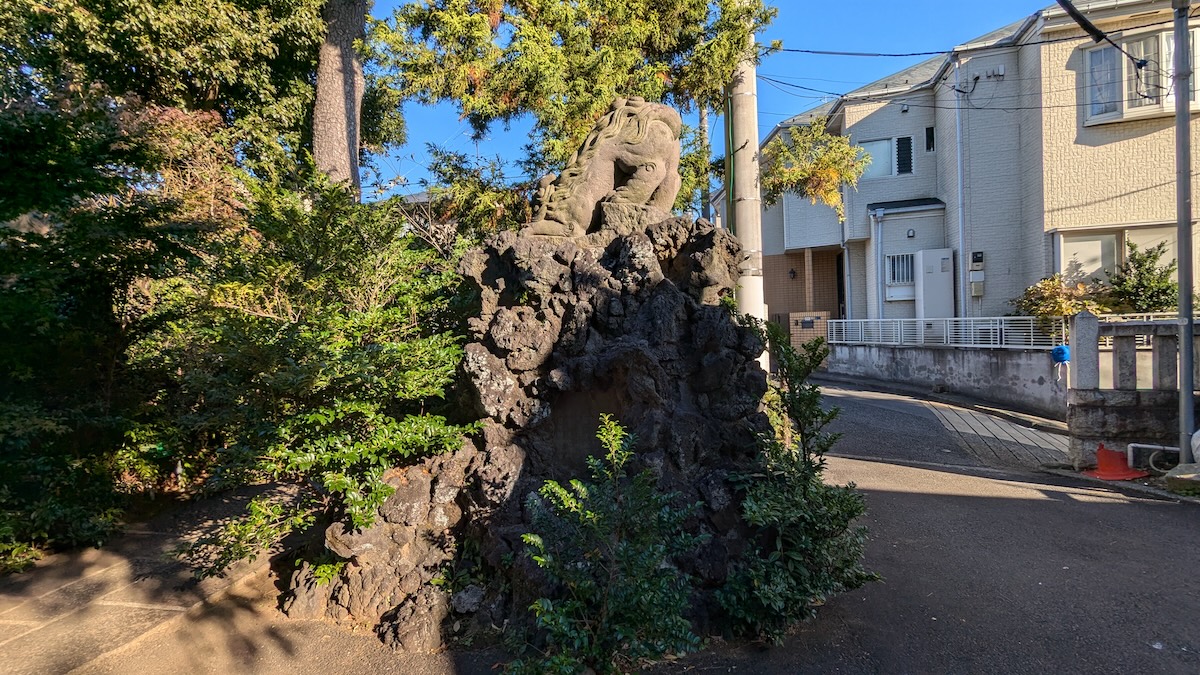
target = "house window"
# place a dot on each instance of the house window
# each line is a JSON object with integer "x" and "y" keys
{"x": 1104, "y": 85}
{"x": 1117, "y": 89}
{"x": 880, "y": 153}
{"x": 1144, "y": 85}
{"x": 899, "y": 269}
{"x": 889, "y": 157}
{"x": 929, "y": 139}
{"x": 1089, "y": 255}
{"x": 1093, "y": 256}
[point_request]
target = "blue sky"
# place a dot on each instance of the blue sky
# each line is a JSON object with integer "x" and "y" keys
{"x": 845, "y": 25}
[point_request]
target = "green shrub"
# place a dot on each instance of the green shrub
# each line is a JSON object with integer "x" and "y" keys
{"x": 76, "y": 294}
{"x": 320, "y": 351}
{"x": 1055, "y": 297}
{"x": 1142, "y": 284}
{"x": 808, "y": 546}
{"x": 606, "y": 546}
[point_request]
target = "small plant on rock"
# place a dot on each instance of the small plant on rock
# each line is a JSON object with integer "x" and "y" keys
{"x": 606, "y": 548}
{"x": 808, "y": 545}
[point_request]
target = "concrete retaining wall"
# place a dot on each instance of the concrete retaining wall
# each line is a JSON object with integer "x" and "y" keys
{"x": 1118, "y": 418}
{"x": 1017, "y": 380}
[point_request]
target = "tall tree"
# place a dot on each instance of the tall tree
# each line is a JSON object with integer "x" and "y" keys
{"x": 337, "y": 110}
{"x": 810, "y": 161}
{"x": 564, "y": 62}
{"x": 248, "y": 60}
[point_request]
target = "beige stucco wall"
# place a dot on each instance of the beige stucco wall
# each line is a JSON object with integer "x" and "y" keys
{"x": 1117, "y": 173}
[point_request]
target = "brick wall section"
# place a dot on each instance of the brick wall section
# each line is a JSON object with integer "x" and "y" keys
{"x": 992, "y": 176}
{"x": 857, "y": 289}
{"x": 785, "y": 295}
{"x": 806, "y": 326}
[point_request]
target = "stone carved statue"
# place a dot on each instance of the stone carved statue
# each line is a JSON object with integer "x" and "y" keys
{"x": 630, "y": 157}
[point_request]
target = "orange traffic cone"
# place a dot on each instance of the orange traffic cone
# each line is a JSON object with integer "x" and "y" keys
{"x": 1112, "y": 465}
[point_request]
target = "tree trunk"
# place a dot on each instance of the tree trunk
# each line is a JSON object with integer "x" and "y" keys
{"x": 340, "y": 85}
{"x": 706, "y": 180}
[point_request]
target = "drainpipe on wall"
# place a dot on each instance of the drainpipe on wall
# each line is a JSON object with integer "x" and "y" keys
{"x": 846, "y": 265}
{"x": 962, "y": 203}
{"x": 877, "y": 222}
{"x": 846, "y": 277}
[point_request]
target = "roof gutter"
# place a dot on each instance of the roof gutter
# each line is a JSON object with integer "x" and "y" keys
{"x": 1026, "y": 26}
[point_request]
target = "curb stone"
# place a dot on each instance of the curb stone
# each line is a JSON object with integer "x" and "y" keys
{"x": 1130, "y": 488}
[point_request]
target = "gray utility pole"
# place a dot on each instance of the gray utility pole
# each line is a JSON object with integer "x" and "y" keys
{"x": 744, "y": 205}
{"x": 1183, "y": 208}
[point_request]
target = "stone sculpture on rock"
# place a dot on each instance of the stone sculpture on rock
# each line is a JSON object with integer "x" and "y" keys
{"x": 631, "y": 156}
{"x": 604, "y": 305}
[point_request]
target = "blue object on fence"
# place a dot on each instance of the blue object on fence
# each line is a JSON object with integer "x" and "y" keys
{"x": 1061, "y": 354}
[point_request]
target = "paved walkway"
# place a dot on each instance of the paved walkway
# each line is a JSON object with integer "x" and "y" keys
{"x": 992, "y": 440}
{"x": 997, "y": 572}
{"x": 73, "y": 607}
{"x": 131, "y": 607}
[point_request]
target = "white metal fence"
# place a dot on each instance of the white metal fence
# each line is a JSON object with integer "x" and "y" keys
{"x": 1001, "y": 332}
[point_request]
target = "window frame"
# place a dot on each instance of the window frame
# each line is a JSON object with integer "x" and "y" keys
{"x": 1124, "y": 109}
{"x": 893, "y": 150}
{"x": 904, "y": 262}
{"x": 895, "y": 288}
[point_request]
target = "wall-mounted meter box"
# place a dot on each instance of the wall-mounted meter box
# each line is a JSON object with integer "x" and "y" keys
{"x": 977, "y": 261}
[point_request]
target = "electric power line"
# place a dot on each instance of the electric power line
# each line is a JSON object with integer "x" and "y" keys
{"x": 822, "y": 52}
{"x": 782, "y": 86}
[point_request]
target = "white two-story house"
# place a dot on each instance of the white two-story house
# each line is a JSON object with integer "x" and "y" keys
{"x": 1028, "y": 151}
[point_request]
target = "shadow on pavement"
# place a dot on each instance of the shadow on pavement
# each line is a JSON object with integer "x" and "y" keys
{"x": 999, "y": 574}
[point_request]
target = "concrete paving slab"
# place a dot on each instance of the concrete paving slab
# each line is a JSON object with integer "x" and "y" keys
{"x": 74, "y": 639}
{"x": 245, "y": 633}
{"x": 53, "y": 572}
{"x": 70, "y": 597}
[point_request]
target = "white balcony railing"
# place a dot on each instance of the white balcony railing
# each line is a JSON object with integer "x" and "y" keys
{"x": 1001, "y": 332}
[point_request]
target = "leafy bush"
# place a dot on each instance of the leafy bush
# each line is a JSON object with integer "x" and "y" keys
{"x": 808, "y": 546}
{"x": 1055, "y": 296}
{"x": 607, "y": 546}
{"x": 79, "y": 289}
{"x": 1142, "y": 284}
{"x": 320, "y": 350}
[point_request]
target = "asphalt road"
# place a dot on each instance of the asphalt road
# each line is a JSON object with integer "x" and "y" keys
{"x": 893, "y": 427}
{"x": 986, "y": 570}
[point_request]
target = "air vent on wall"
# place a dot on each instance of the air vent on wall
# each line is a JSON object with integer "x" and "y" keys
{"x": 904, "y": 155}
